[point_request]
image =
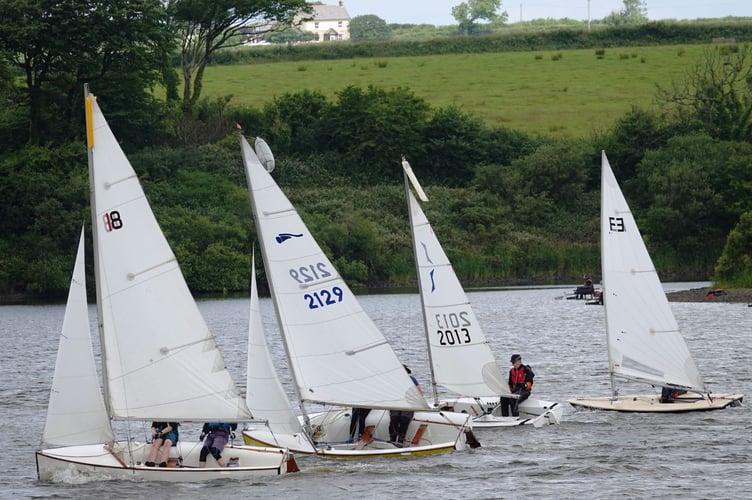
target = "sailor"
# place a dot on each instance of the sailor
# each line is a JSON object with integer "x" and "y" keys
{"x": 217, "y": 434}
{"x": 164, "y": 435}
{"x": 670, "y": 394}
{"x": 520, "y": 382}
{"x": 399, "y": 420}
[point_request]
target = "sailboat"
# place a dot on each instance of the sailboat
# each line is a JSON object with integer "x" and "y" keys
{"x": 460, "y": 357}
{"x": 338, "y": 357}
{"x": 645, "y": 343}
{"x": 159, "y": 359}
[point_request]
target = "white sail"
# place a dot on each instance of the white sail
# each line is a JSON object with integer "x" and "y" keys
{"x": 76, "y": 413}
{"x": 336, "y": 353}
{"x": 160, "y": 359}
{"x": 265, "y": 395}
{"x": 644, "y": 341}
{"x": 461, "y": 357}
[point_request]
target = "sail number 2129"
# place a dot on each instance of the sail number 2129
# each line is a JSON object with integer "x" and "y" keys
{"x": 324, "y": 297}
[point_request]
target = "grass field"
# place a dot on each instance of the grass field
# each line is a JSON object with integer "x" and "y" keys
{"x": 568, "y": 93}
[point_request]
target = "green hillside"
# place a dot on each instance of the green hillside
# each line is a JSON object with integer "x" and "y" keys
{"x": 568, "y": 93}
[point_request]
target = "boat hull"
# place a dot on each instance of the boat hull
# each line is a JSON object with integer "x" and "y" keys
{"x": 429, "y": 433}
{"x": 99, "y": 462}
{"x": 485, "y": 412}
{"x": 651, "y": 403}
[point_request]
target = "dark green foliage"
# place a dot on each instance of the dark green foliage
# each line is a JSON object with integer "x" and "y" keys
{"x": 633, "y": 135}
{"x": 43, "y": 193}
{"x": 369, "y": 28}
{"x": 293, "y": 122}
{"x": 374, "y": 128}
{"x": 120, "y": 48}
{"x": 734, "y": 268}
{"x": 715, "y": 96}
{"x": 453, "y": 146}
{"x": 692, "y": 196}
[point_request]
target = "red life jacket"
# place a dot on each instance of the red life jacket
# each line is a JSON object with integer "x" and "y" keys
{"x": 517, "y": 375}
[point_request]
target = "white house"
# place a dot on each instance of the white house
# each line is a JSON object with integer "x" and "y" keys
{"x": 328, "y": 22}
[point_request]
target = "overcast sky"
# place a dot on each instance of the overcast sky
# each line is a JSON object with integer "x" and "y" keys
{"x": 439, "y": 12}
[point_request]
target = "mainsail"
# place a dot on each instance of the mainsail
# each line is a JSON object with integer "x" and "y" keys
{"x": 644, "y": 341}
{"x": 336, "y": 353}
{"x": 461, "y": 357}
{"x": 160, "y": 359}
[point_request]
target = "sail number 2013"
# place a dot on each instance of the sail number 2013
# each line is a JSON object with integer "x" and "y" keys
{"x": 452, "y": 328}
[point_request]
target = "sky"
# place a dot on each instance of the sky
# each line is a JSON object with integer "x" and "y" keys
{"x": 439, "y": 12}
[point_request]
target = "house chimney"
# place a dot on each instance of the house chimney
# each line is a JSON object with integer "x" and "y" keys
{"x": 341, "y": 3}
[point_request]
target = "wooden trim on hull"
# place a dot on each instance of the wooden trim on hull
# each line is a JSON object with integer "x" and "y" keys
{"x": 381, "y": 449}
{"x": 651, "y": 404}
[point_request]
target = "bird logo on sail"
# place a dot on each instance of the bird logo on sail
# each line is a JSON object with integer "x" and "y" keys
{"x": 282, "y": 237}
{"x": 428, "y": 258}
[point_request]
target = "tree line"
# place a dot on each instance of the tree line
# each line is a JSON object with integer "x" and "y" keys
{"x": 507, "y": 206}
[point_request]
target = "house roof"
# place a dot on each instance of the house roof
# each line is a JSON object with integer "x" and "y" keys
{"x": 330, "y": 13}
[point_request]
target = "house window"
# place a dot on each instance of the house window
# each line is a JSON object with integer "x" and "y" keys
{"x": 316, "y": 25}
{"x": 339, "y": 24}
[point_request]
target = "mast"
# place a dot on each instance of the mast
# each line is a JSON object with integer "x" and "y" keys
{"x": 406, "y": 171}
{"x": 89, "y": 103}
{"x": 603, "y": 274}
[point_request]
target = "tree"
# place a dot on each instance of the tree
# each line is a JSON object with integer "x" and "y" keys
{"x": 369, "y": 28}
{"x": 205, "y": 26}
{"x": 735, "y": 265}
{"x": 60, "y": 45}
{"x": 716, "y": 94}
{"x": 634, "y": 12}
{"x": 696, "y": 189}
{"x": 375, "y": 127}
{"x": 467, "y": 13}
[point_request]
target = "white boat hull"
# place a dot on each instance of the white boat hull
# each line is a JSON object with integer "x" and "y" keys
{"x": 428, "y": 433}
{"x": 485, "y": 412}
{"x": 100, "y": 462}
{"x": 651, "y": 403}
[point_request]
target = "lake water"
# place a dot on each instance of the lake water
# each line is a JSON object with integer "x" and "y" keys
{"x": 591, "y": 455}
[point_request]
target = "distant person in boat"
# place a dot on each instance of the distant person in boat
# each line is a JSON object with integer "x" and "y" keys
{"x": 164, "y": 435}
{"x": 217, "y": 435}
{"x": 670, "y": 394}
{"x": 399, "y": 420}
{"x": 520, "y": 382}
{"x": 358, "y": 419}
{"x": 586, "y": 288}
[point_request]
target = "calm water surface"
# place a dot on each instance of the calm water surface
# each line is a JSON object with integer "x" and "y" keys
{"x": 592, "y": 454}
